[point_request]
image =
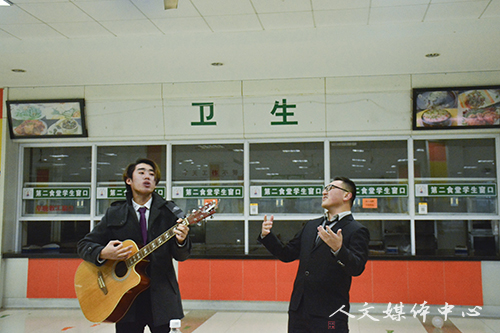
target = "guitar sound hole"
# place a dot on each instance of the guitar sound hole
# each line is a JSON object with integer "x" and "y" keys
{"x": 121, "y": 269}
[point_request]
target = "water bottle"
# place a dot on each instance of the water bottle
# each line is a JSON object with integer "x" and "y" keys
{"x": 175, "y": 325}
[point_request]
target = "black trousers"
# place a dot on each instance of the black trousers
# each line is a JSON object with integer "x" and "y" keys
{"x": 144, "y": 317}
{"x": 302, "y": 322}
{"x": 139, "y": 328}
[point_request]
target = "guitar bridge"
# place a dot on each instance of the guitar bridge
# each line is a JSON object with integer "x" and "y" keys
{"x": 101, "y": 283}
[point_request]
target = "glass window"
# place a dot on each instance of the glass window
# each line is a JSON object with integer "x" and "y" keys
{"x": 455, "y": 176}
{"x": 56, "y": 181}
{"x": 202, "y": 172}
{"x": 483, "y": 237}
{"x": 52, "y": 236}
{"x": 457, "y": 237}
{"x": 389, "y": 237}
{"x": 212, "y": 237}
{"x": 287, "y": 178}
{"x": 285, "y": 230}
{"x": 111, "y": 163}
{"x": 380, "y": 171}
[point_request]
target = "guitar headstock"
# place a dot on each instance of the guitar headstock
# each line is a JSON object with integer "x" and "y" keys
{"x": 202, "y": 213}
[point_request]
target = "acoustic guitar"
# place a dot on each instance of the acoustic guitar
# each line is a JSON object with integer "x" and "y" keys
{"x": 106, "y": 292}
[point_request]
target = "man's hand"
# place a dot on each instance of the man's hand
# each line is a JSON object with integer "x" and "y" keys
{"x": 333, "y": 240}
{"x": 181, "y": 232}
{"x": 266, "y": 226}
{"x": 115, "y": 251}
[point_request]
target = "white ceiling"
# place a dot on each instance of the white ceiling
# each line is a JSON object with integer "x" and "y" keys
{"x": 74, "y": 42}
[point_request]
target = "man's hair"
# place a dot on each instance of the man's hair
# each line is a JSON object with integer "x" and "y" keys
{"x": 350, "y": 186}
{"x": 129, "y": 170}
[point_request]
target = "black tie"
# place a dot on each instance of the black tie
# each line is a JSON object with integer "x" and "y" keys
{"x": 325, "y": 223}
{"x": 143, "y": 223}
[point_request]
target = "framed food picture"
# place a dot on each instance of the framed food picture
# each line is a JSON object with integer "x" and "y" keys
{"x": 456, "y": 108}
{"x": 46, "y": 118}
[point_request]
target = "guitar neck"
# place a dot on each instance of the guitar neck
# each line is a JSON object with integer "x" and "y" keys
{"x": 153, "y": 245}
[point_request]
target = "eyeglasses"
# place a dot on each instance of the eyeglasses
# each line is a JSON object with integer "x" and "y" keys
{"x": 330, "y": 186}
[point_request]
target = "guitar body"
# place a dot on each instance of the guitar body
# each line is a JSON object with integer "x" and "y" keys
{"x": 106, "y": 292}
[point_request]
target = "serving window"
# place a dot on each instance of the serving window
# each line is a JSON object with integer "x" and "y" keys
{"x": 286, "y": 178}
{"x": 380, "y": 171}
{"x": 111, "y": 163}
{"x": 448, "y": 205}
{"x": 455, "y": 176}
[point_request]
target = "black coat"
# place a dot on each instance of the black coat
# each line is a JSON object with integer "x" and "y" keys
{"x": 323, "y": 280}
{"x": 120, "y": 223}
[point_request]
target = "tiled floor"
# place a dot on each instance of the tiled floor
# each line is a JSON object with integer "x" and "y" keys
{"x": 206, "y": 321}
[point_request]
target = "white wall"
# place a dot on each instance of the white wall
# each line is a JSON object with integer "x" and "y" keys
{"x": 491, "y": 291}
{"x": 16, "y": 278}
{"x": 335, "y": 106}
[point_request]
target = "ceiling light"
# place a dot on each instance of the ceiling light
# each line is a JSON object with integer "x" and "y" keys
{"x": 5, "y": 3}
{"x": 432, "y": 55}
{"x": 170, "y": 4}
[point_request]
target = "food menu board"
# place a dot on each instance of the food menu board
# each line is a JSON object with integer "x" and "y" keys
{"x": 441, "y": 108}
{"x": 55, "y": 118}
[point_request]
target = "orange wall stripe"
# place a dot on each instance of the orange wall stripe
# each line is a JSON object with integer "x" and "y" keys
{"x": 226, "y": 280}
{"x": 362, "y": 286}
{"x": 426, "y": 282}
{"x": 285, "y": 277}
{"x": 463, "y": 281}
{"x": 43, "y": 278}
{"x": 195, "y": 277}
{"x": 390, "y": 281}
{"x": 384, "y": 281}
{"x": 259, "y": 280}
{"x": 67, "y": 270}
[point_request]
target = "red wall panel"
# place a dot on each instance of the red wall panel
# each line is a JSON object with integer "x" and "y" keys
{"x": 384, "y": 281}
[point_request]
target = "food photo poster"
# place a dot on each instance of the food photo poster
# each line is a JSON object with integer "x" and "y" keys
{"x": 456, "y": 108}
{"x": 46, "y": 118}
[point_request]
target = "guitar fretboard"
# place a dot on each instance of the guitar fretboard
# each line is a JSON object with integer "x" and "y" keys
{"x": 153, "y": 245}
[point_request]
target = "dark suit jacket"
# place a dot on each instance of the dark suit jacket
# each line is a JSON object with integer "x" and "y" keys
{"x": 323, "y": 280}
{"x": 120, "y": 223}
